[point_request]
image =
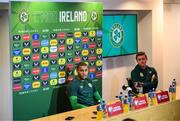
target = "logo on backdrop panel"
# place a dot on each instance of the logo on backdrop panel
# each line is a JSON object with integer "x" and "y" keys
{"x": 117, "y": 35}
{"x": 24, "y": 16}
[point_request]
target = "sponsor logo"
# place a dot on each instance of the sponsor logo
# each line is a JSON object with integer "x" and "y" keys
{"x": 27, "y": 72}
{"x": 62, "y": 41}
{"x": 16, "y": 59}
{"x": 69, "y": 41}
{"x": 69, "y": 53}
{"x": 16, "y": 37}
{"x": 77, "y": 46}
{"x": 99, "y": 68}
{"x": 99, "y": 63}
{"x": 92, "y": 33}
{"x": 77, "y": 59}
{"x": 24, "y": 16}
{"x": 44, "y": 70}
{"x": 35, "y": 57}
{"x": 99, "y": 56}
{"x": 53, "y": 49}
{"x": 26, "y": 51}
{"x": 45, "y": 63}
{"x": 45, "y": 77}
{"x": 117, "y": 35}
{"x": 69, "y": 60}
{"x": 70, "y": 78}
{"x": 77, "y": 40}
{"x": 70, "y": 34}
{"x": 53, "y": 82}
{"x": 62, "y": 61}
{"x": 17, "y": 66}
{"x": 92, "y": 52}
{"x": 92, "y": 58}
{"x": 69, "y": 47}
{"x": 77, "y": 53}
{"x": 61, "y": 48}
{"x": 37, "y": 77}
{"x": 61, "y": 54}
{"x": 17, "y": 73}
{"x": 27, "y": 86}
{"x": 17, "y": 80}
{"x": 44, "y": 56}
{"x": 69, "y": 73}
{"x": 53, "y": 42}
{"x": 61, "y": 68}
{"x": 70, "y": 66}
{"x": 36, "y": 50}
{"x": 26, "y": 65}
{"x": 99, "y": 74}
{"x": 26, "y": 58}
{"x": 61, "y": 80}
{"x": 62, "y": 74}
{"x": 99, "y": 44}
{"x": 53, "y": 35}
{"x": 77, "y": 34}
{"x": 99, "y": 33}
{"x": 16, "y": 45}
{"x": 44, "y": 49}
{"x": 92, "y": 63}
{"x": 35, "y": 36}
{"x": 61, "y": 35}
{"x": 85, "y": 39}
{"x": 92, "y": 45}
{"x": 92, "y": 39}
{"x": 53, "y": 55}
{"x": 45, "y": 83}
{"x": 85, "y": 52}
{"x": 36, "y": 85}
{"x": 36, "y": 64}
{"x": 16, "y": 52}
{"x": 99, "y": 51}
{"x": 85, "y": 34}
{"x": 35, "y": 43}
{"x": 94, "y": 16}
{"x": 26, "y": 44}
{"x": 44, "y": 43}
{"x": 44, "y": 36}
{"x": 92, "y": 69}
{"x": 53, "y": 75}
{"x": 84, "y": 46}
{"x": 53, "y": 68}
{"x": 36, "y": 71}
{"x": 53, "y": 62}
{"x": 85, "y": 58}
{"x": 17, "y": 87}
{"x": 92, "y": 75}
{"x": 26, "y": 37}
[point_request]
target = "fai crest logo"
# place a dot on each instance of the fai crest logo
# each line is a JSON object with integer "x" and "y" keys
{"x": 117, "y": 35}
{"x": 24, "y": 16}
{"x": 94, "y": 16}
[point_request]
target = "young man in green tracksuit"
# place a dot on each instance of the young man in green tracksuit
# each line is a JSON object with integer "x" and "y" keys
{"x": 144, "y": 75}
{"x": 82, "y": 91}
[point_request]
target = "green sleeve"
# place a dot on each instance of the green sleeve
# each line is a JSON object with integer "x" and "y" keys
{"x": 74, "y": 103}
{"x": 97, "y": 96}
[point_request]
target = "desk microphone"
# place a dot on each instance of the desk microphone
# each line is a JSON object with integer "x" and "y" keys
{"x": 129, "y": 90}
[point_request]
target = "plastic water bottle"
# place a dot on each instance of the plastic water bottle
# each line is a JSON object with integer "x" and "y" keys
{"x": 150, "y": 96}
{"x": 126, "y": 104}
{"x": 170, "y": 92}
{"x": 99, "y": 112}
{"x": 121, "y": 97}
{"x": 103, "y": 104}
{"x": 173, "y": 92}
{"x": 174, "y": 82}
{"x": 130, "y": 99}
{"x": 153, "y": 97}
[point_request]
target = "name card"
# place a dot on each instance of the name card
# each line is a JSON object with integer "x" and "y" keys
{"x": 114, "y": 109}
{"x": 162, "y": 96}
{"x": 140, "y": 102}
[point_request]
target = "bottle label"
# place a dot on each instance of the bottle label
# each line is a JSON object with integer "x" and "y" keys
{"x": 162, "y": 96}
{"x": 114, "y": 108}
{"x": 140, "y": 102}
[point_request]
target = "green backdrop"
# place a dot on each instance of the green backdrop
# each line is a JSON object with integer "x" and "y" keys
{"x": 48, "y": 39}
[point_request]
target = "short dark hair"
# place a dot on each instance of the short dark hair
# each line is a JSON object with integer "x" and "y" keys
{"x": 140, "y": 54}
{"x": 81, "y": 64}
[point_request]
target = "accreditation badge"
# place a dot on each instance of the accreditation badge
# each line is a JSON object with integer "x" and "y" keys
{"x": 141, "y": 74}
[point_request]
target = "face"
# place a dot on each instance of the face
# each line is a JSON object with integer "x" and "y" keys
{"x": 82, "y": 72}
{"x": 141, "y": 60}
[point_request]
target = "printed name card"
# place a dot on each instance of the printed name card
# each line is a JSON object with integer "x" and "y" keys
{"x": 114, "y": 109}
{"x": 162, "y": 96}
{"x": 140, "y": 102}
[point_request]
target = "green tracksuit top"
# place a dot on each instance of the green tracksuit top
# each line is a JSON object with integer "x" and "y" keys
{"x": 84, "y": 90}
{"x": 144, "y": 75}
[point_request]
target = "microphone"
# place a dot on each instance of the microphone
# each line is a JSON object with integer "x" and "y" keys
{"x": 129, "y": 90}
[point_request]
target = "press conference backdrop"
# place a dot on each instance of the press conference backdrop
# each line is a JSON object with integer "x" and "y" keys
{"x": 48, "y": 39}
{"x": 119, "y": 34}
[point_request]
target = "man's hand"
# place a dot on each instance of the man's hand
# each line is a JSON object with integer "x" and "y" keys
{"x": 152, "y": 78}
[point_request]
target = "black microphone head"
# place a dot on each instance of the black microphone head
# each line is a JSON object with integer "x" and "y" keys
{"x": 124, "y": 87}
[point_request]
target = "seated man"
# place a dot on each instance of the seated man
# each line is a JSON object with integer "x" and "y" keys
{"x": 143, "y": 75}
{"x": 82, "y": 91}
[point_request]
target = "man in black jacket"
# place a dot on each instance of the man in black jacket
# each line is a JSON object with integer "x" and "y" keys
{"x": 143, "y": 75}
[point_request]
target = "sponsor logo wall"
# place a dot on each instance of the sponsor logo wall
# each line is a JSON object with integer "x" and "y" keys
{"x": 48, "y": 39}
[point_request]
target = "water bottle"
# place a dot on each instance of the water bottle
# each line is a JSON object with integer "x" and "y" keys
{"x": 173, "y": 92}
{"x": 126, "y": 104}
{"x": 150, "y": 96}
{"x": 153, "y": 97}
{"x": 99, "y": 112}
{"x": 170, "y": 92}
{"x": 103, "y": 104}
{"x": 130, "y": 99}
{"x": 121, "y": 97}
{"x": 174, "y": 82}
